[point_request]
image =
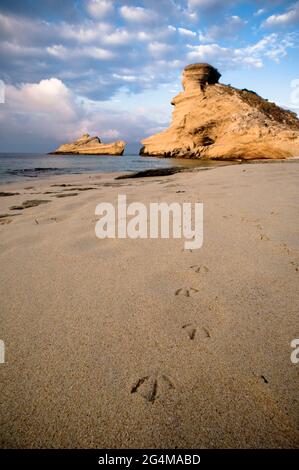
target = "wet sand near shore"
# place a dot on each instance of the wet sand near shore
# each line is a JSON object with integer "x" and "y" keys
{"x": 139, "y": 343}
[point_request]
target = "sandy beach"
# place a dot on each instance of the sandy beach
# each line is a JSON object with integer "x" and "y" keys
{"x": 140, "y": 343}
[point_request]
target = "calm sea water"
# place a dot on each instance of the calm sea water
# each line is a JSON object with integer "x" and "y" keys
{"x": 17, "y": 166}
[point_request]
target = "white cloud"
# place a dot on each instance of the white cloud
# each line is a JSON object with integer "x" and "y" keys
{"x": 137, "y": 14}
{"x": 49, "y": 97}
{"x": 99, "y": 8}
{"x": 97, "y": 53}
{"x": 118, "y": 37}
{"x": 159, "y": 48}
{"x": 255, "y": 62}
{"x": 96, "y": 33}
{"x": 144, "y": 36}
{"x": 209, "y": 4}
{"x": 205, "y": 3}
{"x": 208, "y": 52}
{"x": 291, "y": 16}
{"x": 61, "y": 52}
{"x": 260, "y": 12}
{"x": 44, "y": 110}
{"x": 125, "y": 78}
{"x": 229, "y": 28}
{"x": 186, "y": 32}
{"x": 80, "y": 34}
{"x": 272, "y": 47}
{"x": 17, "y": 50}
{"x": 171, "y": 64}
{"x": 273, "y": 43}
{"x": 58, "y": 50}
{"x": 23, "y": 27}
{"x": 85, "y": 33}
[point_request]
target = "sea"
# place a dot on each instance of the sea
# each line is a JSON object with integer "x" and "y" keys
{"x": 25, "y": 166}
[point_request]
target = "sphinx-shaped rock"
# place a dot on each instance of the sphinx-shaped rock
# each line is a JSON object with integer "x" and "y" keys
{"x": 87, "y": 145}
{"x": 216, "y": 121}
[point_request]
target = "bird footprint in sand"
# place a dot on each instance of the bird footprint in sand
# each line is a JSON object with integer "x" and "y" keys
{"x": 191, "y": 331}
{"x": 187, "y": 292}
{"x": 264, "y": 237}
{"x": 296, "y": 265}
{"x": 199, "y": 269}
{"x": 152, "y": 387}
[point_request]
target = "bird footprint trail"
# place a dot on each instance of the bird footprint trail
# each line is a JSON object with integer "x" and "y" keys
{"x": 296, "y": 265}
{"x": 199, "y": 269}
{"x": 150, "y": 388}
{"x": 187, "y": 292}
{"x": 192, "y": 331}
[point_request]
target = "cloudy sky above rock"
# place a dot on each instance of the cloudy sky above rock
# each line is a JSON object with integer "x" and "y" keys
{"x": 111, "y": 67}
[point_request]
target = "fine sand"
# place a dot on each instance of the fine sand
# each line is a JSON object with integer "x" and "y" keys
{"x": 139, "y": 343}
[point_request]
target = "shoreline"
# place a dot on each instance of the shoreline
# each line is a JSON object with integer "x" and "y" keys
{"x": 122, "y": 343}
{"x": 202, "y": 166}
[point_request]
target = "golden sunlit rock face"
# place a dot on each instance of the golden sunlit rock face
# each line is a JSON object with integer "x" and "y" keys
{"x": 87, "y": 145}
{"x": 215, "y": 121}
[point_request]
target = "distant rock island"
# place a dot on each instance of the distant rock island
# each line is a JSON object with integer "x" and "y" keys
{"x": 216, "y": 121}
{"x": 87, "y": 145}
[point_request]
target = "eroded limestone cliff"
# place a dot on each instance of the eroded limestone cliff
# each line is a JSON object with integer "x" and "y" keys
{"x": 216, "y": 121}
{"x": 87, "y": 145}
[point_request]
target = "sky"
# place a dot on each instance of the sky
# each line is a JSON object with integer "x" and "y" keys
{"x": 111, "y": 67}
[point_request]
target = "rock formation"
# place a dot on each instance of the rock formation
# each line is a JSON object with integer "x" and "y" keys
{"x": 216, "y": 121}
{"x": 87, "y": 145}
